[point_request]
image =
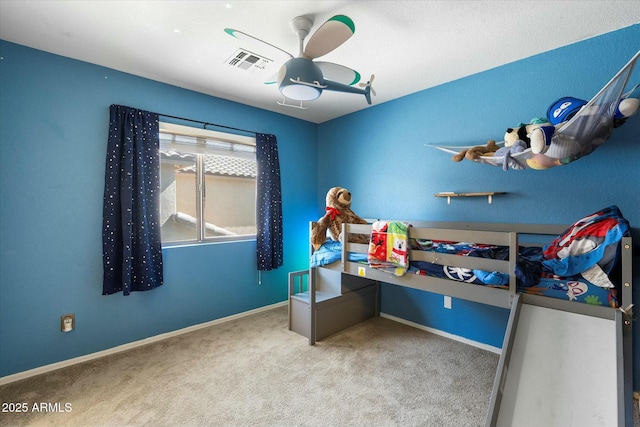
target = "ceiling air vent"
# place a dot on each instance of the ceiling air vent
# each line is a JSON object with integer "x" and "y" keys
{"x": 249, "y": 61}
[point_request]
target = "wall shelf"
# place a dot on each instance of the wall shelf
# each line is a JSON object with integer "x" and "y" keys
{"x": 488, "y": 194}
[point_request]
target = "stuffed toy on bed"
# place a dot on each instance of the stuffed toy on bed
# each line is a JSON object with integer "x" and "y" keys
{"x": 338, "y": 211}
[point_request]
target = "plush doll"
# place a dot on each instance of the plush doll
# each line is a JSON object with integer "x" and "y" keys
{"x": 541, "y": 162}
{"x": 626, "y": 108}
{"x": 338, "y": 212}
{"x": 517, "y": 146}
{"x": 540, "y": 138}
{"x": 565, "y": 108}
{"x": 516, "y": 140}
{"x": 477, "y": 151}
{"x": 523, "y": 131}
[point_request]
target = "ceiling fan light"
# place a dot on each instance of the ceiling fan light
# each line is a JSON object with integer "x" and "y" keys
{"x": 297, "y": 78}
{"x": 299, "y": 92}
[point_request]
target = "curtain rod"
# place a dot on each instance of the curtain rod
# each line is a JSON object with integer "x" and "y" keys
{"x": 208, "y": 124}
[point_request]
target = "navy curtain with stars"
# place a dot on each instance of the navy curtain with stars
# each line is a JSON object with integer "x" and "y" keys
{"x": 132, "y": 248}
{"x": 269, "y": 204}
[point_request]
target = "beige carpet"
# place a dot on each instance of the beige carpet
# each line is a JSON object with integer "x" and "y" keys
{"x": 255, "y": 372}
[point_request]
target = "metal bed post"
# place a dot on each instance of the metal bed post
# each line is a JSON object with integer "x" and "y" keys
{"x": 312, "y": 294}
{"x": 513, "y": 261}
{"x": 626, "y": 389}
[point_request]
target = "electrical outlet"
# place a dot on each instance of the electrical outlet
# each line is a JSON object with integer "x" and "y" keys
{"x": 447, "y": 302}
{"x": 67, "y": 322}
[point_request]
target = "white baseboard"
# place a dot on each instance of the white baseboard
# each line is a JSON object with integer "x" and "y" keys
{"x": 444, "y": 334}
{"x": 69, "y": 362}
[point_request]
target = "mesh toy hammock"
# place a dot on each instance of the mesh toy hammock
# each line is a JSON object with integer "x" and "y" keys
{"x": 589, "y": 128}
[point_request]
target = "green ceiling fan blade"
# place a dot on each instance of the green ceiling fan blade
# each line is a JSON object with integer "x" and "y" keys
{"x": 329, "y": 36}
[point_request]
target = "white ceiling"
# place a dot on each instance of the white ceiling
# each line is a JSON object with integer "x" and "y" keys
{"x": 408, "y": 45}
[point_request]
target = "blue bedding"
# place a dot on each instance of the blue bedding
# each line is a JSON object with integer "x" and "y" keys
{"x": 574, "y": 288}
{"x": 331, "y": 251}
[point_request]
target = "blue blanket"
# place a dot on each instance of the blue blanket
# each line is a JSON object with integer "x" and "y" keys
{"x": 589, "y": 241}
{"x": 331, "y": 251}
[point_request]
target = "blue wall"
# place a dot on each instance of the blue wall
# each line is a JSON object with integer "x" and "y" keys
{"x": 54, "y": 114}
{"x": 380, "y": 155}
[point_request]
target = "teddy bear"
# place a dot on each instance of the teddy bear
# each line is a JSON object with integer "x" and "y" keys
{"x": 338, "y": 211}
{"x": 477, "y": 151}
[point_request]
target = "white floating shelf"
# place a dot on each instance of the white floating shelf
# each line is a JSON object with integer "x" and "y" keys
{"x": 488, "y": 194}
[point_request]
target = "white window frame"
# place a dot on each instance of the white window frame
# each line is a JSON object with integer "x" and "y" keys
{"x": 199, "y": 149}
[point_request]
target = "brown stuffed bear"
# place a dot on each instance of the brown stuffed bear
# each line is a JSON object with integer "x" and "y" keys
{"x": 474, "y": 152}
{"x": 338, "y": 212}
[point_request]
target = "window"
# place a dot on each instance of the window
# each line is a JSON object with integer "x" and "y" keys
{"x": 208, "y": 185}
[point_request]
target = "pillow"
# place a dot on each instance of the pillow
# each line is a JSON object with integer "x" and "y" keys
{"x": 589, "y": 241}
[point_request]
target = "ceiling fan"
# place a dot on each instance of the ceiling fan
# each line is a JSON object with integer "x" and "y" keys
{"x": 303, "y": 79}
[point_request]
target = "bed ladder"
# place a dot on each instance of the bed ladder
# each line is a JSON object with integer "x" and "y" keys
{"x": 324, "y": 301}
